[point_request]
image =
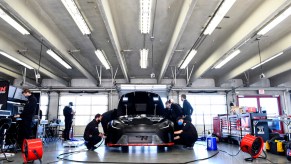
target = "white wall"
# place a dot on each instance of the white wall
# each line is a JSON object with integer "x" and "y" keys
{"x": 53, "y": 105}
{"x": 113, "y": 100}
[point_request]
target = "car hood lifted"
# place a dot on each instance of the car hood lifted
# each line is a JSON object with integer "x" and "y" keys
{"x": 140, "y": 122}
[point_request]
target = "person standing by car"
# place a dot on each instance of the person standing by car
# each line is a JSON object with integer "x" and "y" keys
{"x": 168, "y": 112}
{"x": 187, "y": 136}
{"x": 173, "y": 111}
{"x": 69, "y": 114}
{"x": 91, "y": 134}
{"x": 176, "y": 110}
{"x": 107, "y": 117}
{"x": 25, "y": 126}
{"x": 187, "y": 108}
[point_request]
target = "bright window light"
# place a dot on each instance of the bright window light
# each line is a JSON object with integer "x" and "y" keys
{"x": 144, "y": 58}
{"x": 223, "y": 9}
{"x": 58, "y": 59}
{"x": 101, "y": 56}
{"x": 227, "y": 59}
{"x": 271, "y": 58}
{"x": 13, "y": 23}
{"x": 188, "y": 59}
{"x": 275, "y": 22}
{"x": 145, "y": 15}
{"x": 16, "y": 60}
{"x": 77, "y": 16}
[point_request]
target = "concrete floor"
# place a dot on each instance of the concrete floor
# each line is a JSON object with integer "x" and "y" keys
{"x": 176, "y": 154}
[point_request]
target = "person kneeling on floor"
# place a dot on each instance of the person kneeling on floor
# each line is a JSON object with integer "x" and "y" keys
{"x": 92, "y": 135}
{"x": 187, "y": 136}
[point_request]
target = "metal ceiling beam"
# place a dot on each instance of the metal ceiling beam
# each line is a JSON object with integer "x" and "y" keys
{"x": 283, "y": 67}
{"x": 49, "y": 32}
{"x": 268, "y": 52}
{"x": 16, "y": 75}
{"x": 10, "y": 48}
{"x": 185, "y": 14}
{"x": 281, "y": 79}
{"x": 242, "y": 32}
{"x": 76, "y": 89}
{"x": 110, "y": 27}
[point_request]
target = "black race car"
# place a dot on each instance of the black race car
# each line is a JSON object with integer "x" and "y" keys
{"x": 141, "y": 122}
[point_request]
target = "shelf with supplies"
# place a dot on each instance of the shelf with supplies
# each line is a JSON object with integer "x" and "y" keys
{"x": 235, "y": 127}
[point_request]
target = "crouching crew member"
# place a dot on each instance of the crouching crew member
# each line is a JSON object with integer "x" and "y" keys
{"x": 92, "y": 135}
{"x": 187, "y": 136}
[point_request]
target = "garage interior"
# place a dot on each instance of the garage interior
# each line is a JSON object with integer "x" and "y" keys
{"x": 229, "y": 57}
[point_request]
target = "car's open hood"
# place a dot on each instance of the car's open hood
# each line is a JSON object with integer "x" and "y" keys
{"x": 137, "y": 103}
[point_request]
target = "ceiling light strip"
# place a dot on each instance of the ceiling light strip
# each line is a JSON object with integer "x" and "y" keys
{"x": 188, "y": 59}
{"x": 58, "y": 59}
{"x": 16, "y": 60}
{"x": 144, "y": 58}
{"x": 271, "y": 58}
{"x": 145, "y": 87}
{"x": 77, "y": 16}
{"x": 145, "y": 15}
{"x": 219, "y": 15}
{"x": 227, "y": 59}
{"x": 13, "y": 23}
{"x": 101, "y": 56}
{"x": 275, "y": 22}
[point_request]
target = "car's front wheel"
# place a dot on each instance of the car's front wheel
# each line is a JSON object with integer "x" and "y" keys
{"x": 124, "y": 148}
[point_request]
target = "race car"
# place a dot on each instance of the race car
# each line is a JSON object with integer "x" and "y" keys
{"x": 141, "y": 122}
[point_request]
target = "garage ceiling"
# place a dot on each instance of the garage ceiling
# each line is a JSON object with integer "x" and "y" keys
{"x": 176, "y": 27}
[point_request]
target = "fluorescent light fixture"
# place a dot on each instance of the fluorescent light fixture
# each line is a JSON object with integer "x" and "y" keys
{"x": 13, "y": 23}
{"x": 219, "y": 15}
{"x": 275, "y": 22}
{"x": 58, "y": 59}
{"x": 144, "y": 58}
{"x": 227, "y": 59}
{"x": 101, "y": 56}
{"x": 188, "y": 59}
{"x": 77, "y": 16}
{"x": 16, "y": 60}
{"x": 142, "y": 87}
{"x": 271, "y": 58}
{"x": 145, "y": 16}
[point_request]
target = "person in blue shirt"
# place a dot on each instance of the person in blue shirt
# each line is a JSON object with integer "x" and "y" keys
{"x": 187, "y": 108}
{"x": 69, "y": 114}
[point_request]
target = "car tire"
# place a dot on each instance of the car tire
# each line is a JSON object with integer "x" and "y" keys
{"x": 124, "y": 148}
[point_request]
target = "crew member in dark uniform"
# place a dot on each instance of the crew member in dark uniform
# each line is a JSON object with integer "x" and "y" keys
{"x": 168, "y": 112}
{"x": 107, "y": 117}
{"x": 92, "y": 135}
{"x": 187, "y": 108}
{"x": 172, "y": 112}
{"x": 187, "y": 136}
{"x": 69, "y": 114}
{"x": 25, "y": 125}
{"x": 176, "y": 110}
